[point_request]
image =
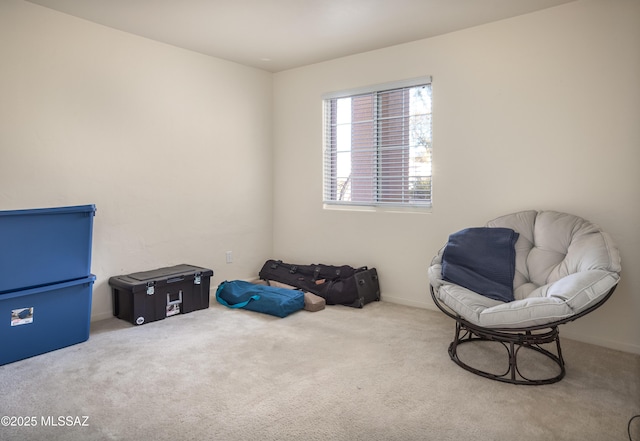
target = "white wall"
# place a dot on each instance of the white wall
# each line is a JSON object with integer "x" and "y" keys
{"x": 173, "y": 147}
{"x": 536, "y": 112}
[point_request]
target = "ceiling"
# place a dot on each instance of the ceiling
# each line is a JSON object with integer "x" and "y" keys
{"x": 276, "y": 35}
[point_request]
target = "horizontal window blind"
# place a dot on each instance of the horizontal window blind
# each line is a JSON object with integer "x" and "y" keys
{"x": 377, "y": 146}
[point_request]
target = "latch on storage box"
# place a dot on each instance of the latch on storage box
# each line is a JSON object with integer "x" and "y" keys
{"x": 173, "y": 303}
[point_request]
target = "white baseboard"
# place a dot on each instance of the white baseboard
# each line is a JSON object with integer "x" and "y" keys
{"x": 618, "y": 346}
{"x": 101, "y": 316}
{"x": 400, "y": 301}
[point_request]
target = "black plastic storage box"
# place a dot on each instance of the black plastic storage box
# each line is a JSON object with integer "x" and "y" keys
{"x": 154, "y": 295}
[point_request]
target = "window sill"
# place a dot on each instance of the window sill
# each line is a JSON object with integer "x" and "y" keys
{"x": 378, "y": 209}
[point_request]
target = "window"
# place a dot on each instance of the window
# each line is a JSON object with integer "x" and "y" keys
{"x": 377, "y": 145}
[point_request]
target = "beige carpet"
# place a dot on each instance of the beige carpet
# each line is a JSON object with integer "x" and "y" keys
{"x": 379, "y": 373}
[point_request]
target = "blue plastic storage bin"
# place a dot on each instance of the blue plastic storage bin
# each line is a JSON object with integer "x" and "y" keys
{"x": 44, "y": 246}
{"x": 39, "y": 320}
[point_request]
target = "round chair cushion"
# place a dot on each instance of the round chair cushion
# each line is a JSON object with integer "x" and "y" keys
{"x": 563, "y": 266}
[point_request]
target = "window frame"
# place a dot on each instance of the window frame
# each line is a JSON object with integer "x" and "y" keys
{"x": 329, "y": 149}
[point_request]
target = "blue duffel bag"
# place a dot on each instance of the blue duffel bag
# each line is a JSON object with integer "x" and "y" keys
{"x": 260, "y": 298}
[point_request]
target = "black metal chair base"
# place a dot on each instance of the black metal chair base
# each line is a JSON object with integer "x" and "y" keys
{"x": 532, "y": 338}
{"x": 513, "y": 343}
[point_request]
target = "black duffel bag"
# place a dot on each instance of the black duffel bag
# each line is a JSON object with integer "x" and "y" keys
{"x": 338, "y": 285}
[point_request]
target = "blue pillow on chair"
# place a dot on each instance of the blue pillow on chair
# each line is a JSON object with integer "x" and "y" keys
{"x": 483, "y": 260}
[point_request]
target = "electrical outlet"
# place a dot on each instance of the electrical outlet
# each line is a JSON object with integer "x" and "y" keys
{"x": 229, "y": 257}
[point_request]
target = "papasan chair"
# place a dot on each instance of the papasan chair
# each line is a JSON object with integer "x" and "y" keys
{"x": 514, "y": 281}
